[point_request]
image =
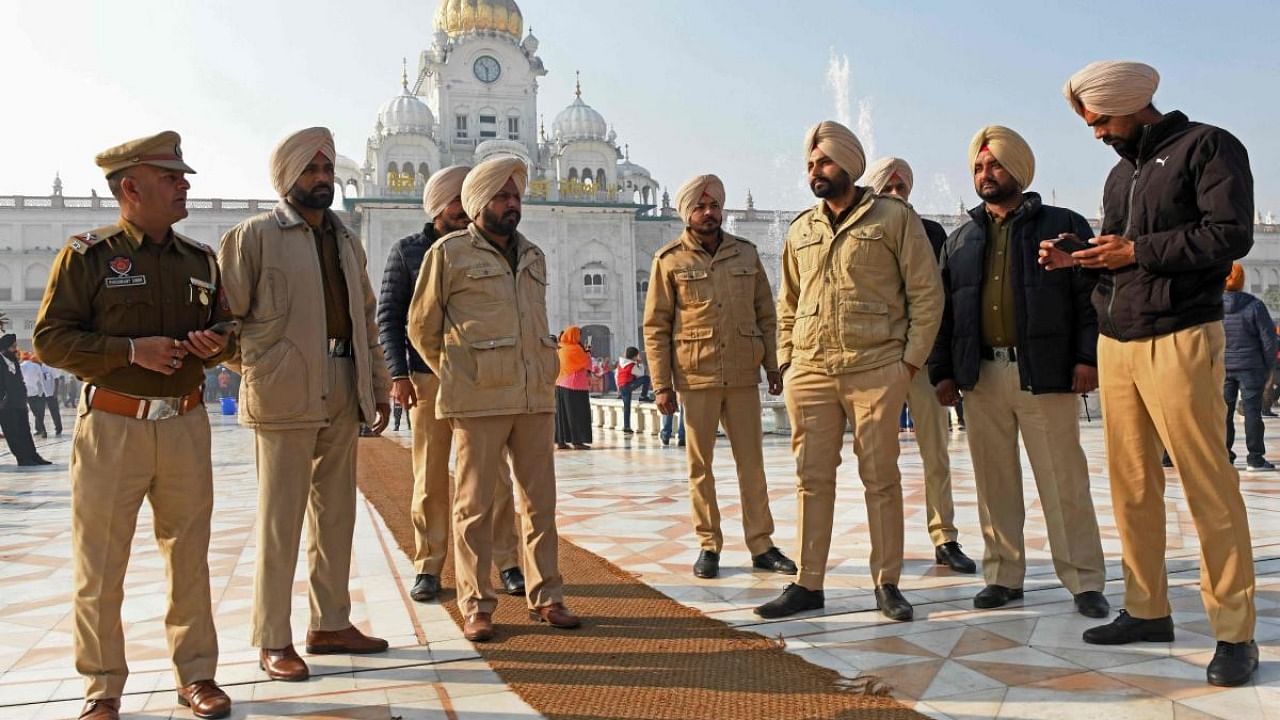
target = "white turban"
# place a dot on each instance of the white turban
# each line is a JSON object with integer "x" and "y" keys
{"x": 1112, "y": 87}
{"x": 1009, "y": 148}
{"x": 838, "y": 143}
{"x": 884, "y": 169}
{"x": 691, "y": 192}
{"x": 486, "y": 179}
{"x": 443, "y": 188}
{"x": 294, "y": 154}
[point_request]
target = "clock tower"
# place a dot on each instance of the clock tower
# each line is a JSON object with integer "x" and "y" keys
{"x": 481, "y": 78}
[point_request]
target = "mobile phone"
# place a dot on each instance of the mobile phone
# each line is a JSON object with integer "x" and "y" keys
{"x": 226, "y": 327}
{"x": 1070, "y": 242}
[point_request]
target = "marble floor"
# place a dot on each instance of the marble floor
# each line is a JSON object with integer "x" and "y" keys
{"x": 626, "y": 500}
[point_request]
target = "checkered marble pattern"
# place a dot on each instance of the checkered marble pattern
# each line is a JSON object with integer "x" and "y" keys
{"x": 626, "y": 500}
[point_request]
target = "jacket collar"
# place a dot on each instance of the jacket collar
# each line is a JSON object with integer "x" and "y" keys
{"x": 729, "y": 245}
{"x": 1155, "y": 135}
{"x": 1030, "y": 207}
{"x": 287, "y": 216}
{"x": 860, "y": 208}
{"x": 525, "y": 250}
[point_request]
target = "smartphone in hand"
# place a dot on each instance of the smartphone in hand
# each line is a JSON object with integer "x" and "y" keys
{"x": 1070, "y": 242}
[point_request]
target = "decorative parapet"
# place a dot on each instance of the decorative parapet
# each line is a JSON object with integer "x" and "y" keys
{"x": 95, "y": 202}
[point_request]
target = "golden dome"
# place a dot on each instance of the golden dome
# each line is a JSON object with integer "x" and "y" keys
{"x": 457, "y": 17}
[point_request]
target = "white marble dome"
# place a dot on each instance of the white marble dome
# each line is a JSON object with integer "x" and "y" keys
{"x": 579, "y": 121}
{"x": 405, "y": 113}
{"x": 499, "y": 146}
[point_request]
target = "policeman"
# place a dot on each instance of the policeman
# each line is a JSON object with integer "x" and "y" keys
{"x": 126, "y": 310}
{"x": 709, "y": 328}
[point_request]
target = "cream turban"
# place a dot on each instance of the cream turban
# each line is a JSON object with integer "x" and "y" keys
{"x": 443, "y": 188}
{"x": 486, "y": 179}
{"x": 883, "y": 170}
{"x": 691, "y": 192}
{"x": 294, "y": 153}
{"x": 1112, "y": 87}
{"x": 838, "y": 143}
{"x": 1009, "y": 148}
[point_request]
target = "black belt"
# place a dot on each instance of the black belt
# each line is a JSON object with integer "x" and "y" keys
{"x": 1008, "y": 354}
{"x": 341, "y": 347}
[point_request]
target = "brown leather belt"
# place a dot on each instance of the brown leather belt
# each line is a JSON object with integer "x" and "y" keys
{"x": 140, "y": 408}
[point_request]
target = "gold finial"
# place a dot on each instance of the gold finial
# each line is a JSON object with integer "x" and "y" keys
{"x": 626, "y": 149}
{"x": 404, "y": 74}
{"x": 577, "y": 92}
{"x": 542, "y": 127}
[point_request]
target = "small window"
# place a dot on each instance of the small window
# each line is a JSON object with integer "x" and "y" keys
{"x": 513, "y": 128}
{"x": 460, "y": 122}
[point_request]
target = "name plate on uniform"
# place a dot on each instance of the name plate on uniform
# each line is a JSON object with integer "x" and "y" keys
{"x": 126, "y": 281}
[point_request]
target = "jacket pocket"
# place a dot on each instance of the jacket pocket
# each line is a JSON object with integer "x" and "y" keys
{"x": 693, "y": 346}
{"x": 752, "y": 345}
{"x": 548, "y": 359}
{"x": 865, "y": 249}
{"x": 863, "y": 324}
{"x": 693, "y": 286}
{"x": 273, "y": 296}
{"x": 275, "y": 386}
{"x": 495, "y": 362}
{"x": 804, "y": 333}
{"x": 743, "y": 281}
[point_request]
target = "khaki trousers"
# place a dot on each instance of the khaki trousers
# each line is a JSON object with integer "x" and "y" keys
{"x": 933, "y": 437}
{"x": 1167, "y": 391}
{"x": 116, "y": 462}
{"x": 998, "y": 412}
{"x": 432, "y": 439}
{"x": 308, "y": 473}
{"x": 738, "y": 409}
{"x": 819, "y": 405}
{"x": 479, "y": 442}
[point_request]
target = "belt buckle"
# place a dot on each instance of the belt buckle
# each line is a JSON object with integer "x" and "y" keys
{"x": 1002, "y": 354}
{"x": 162, "y": 409}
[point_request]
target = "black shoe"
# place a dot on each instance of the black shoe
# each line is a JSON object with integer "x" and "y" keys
{"x": 1260, "y": 466}
{"x": 666, "y": 441}
{"x": 1092, "y": 603}
{"x": 628, "y": 431}
{"x": 1127, "y": 628}
{"x": 512, "y": 581}
{"x": 1268, "y": 413}
{"x": 681, "y": 443}
{"x": 425, "y": 588}
{"x": 794, "y": 598}
{"x": 892, "y": 604}
{"x": 994, "y": 596}
{"x": 707, "y": 565}
{"x": 952, "y": 556}
{"x": 774, "y": 561}
{"x": 1233, "y": 663}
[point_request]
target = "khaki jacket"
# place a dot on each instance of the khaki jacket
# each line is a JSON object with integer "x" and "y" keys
{"x": 709, "y": 321}
{"x": 273, "y": 284}
{"x": 483, "y": 330}
{"x": 865, "y": 294}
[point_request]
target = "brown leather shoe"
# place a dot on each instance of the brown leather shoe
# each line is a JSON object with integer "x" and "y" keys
{"x": 205, "y": 699}
{"x": 478, "y": 627}
{"x": 555, "y": 615}
{"x": 283, "y": 664}
{"x": 346, "y": 642}
{"x": 101, "y": 709}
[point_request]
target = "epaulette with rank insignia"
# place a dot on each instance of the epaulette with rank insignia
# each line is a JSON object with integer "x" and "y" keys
{"x": 196, "y": 244}
{"x": 673, "y": 245}
{"x": 803, "y": 213}
{"x": 82, "y": 242}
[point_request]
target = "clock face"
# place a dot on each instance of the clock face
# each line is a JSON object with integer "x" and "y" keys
{"x": 487, "y": 69}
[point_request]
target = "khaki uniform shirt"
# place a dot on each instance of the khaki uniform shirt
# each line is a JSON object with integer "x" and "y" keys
{"x": 113, "y": 284}
{"x": 859, "y": 295}
{"x": 998, "y": 324}
{"x": 482, "y": 328}
{"x": 337, "y": 319}
{"x": 709, "y": 320}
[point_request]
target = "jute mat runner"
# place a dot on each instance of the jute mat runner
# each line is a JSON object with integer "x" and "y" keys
{"x": 639, "y": 654}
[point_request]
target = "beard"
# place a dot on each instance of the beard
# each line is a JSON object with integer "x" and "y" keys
{"x": 831, "y": 187}
{"x": 503, "y": 224}
{"x": 319, "y": 197}
{"x": 454, "y": 223}
{"x": 710, "y": 226}
{"x": 997, "y": 193}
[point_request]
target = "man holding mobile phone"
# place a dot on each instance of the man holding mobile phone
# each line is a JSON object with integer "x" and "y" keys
{"x": 1021, "y": 344}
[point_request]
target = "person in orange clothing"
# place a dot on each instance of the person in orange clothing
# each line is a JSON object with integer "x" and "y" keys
{"x": 573, "y": 401}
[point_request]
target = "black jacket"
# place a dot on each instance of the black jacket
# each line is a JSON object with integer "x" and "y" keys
{"x": 13, "y": 390}
{"x": 1250, "y": 333}
{"x": 1185, "y": 197}
{"x": 398, "y": 281}
{"x": 937, "y": 235}
{"x": 1056, "y": 327}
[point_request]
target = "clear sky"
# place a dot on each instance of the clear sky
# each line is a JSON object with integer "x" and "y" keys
{"x": 724, "y": 86}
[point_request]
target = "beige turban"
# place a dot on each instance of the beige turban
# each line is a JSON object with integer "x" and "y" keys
{"x": 838, "y": 143}
{"x": 294, "y": 153}
{"x": 691, "y": 192}
{"x": 443, "y": 188}
{"x": 883, "y": 170}
{"x": 1112, "y": 87}
{"x": 1009, "y": 148}
{"x": 486, "y": 179}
